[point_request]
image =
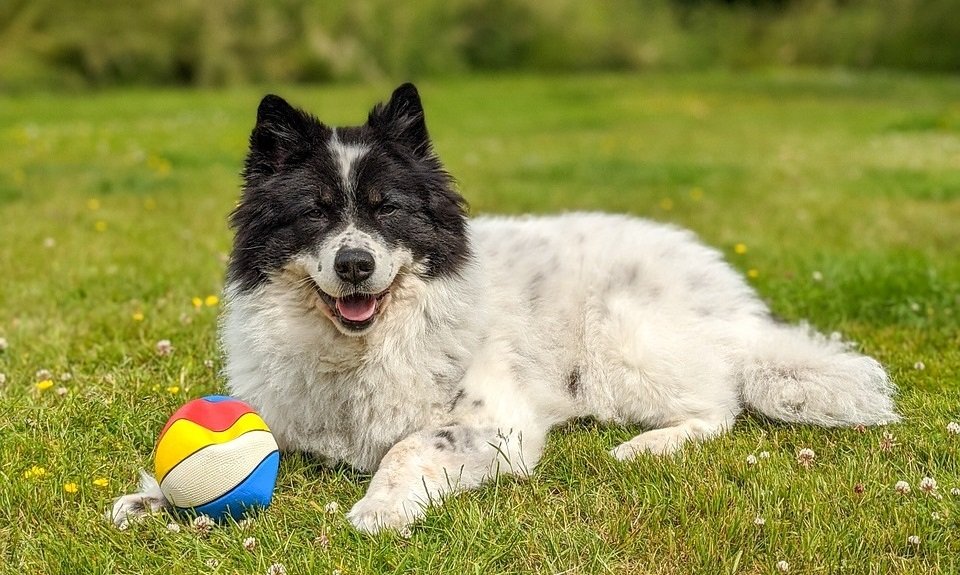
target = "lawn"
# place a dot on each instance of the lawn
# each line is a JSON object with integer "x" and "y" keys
{"x": 844, "y": 191}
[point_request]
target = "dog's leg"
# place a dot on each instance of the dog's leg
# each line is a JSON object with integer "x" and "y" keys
{"x": 426, "y": 466}
{"x": 131, "y": 507}
{"x": 666, "y": 440}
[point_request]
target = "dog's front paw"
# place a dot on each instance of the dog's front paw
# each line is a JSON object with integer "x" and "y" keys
{"x": 372, "y": 515}
{"x": 130, "y": 508}
{"x": 136, "y": 505}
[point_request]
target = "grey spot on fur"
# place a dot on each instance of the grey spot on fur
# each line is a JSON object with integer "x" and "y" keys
{"x": 456, "y": 399}
{"x": 468, "y": 440}
{"x": 631, "y": 274}
{"x": 697, "y": 282}
{"x": 447, "y": 435}
{"x": 704, "y": 311}
{"x": 573, "y": 381}
{"x": 439, "y": 446}
{"x": 654, "y": 291}
{"x": 534, "y": 288}
{"x": 478, "y": 403}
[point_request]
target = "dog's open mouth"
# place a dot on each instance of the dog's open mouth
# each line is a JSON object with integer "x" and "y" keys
{"x": 356, "y": 311}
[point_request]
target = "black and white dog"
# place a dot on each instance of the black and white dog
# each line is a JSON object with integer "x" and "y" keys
{"x": 371, "y": 323}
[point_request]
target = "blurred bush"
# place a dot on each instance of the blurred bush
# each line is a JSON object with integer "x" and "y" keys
{"x": 84, "y": 43}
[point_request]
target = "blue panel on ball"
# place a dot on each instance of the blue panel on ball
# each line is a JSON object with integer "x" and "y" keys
{"x": 256, "y": 491}
{"x": 217, "y": 398}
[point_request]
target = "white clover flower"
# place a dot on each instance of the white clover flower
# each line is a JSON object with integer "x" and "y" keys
{"x": 49, "y": 242}
{"x": 953, "y": 428}
{"x": 405, "y": 532}
{"x": 250, "y": 543}
{"x": 764, "y": 455}
{"x": 66, "y": 376}
{"x": 806, "y": 456}
{"x": 3, "y": 378}
{"x": 759, "y": 521}
{"x": 3, "y": 344}
{"x": 902, "y": 487}
{"x": 212, "y": 563}
{"x": 43, "y": 375}
{"x": 173, "y": 527}
{"x": 164, "y": 347}
{"x": 331, "y": 507}
{"x": 913, "y": 540}
{"x": 919, "y": 366}
{"x": 751, "y": 459}
{"x": 245, "y": 524}
{"x": 783, "y": 566}
{"x": 955, "y": 491}
{"x": 888, "y": 442}
{"x": 277, "y": 569}
{"x": 928, "y": 485}
{"x": 817, "y": 276}
{"x": 203, "y": 524}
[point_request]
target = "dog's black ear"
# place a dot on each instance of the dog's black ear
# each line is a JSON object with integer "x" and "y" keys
{"x": 402, "y": 120}
{"x": 281, "y": 132}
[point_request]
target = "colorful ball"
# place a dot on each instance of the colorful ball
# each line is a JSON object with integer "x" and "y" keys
{"x": 217, "y": 457}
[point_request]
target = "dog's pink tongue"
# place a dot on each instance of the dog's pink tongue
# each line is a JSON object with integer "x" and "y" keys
{"x": 357, "y": 307}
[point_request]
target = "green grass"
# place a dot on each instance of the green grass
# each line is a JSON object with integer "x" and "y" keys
{"x": 853, "y": 179}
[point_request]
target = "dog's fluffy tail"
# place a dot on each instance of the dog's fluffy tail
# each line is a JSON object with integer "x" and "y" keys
{"x": 797, "y": 375}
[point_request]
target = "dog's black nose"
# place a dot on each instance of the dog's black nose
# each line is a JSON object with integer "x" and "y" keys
{"x": 354, "y": 265}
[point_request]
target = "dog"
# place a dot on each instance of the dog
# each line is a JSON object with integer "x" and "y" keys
{"x": 372, "y": 324}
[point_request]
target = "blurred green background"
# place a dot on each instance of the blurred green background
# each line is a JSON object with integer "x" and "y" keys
{"x": 77, "y": 44}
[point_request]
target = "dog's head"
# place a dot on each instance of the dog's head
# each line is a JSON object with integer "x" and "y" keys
{"x": 351, "y": 210}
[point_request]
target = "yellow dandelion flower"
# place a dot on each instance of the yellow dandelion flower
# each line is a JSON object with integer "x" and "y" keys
{"x": 159, "y": 165}
{"x": 34, "y": 471}
{"x": 696, "y": 193}
{"x": 740, "y": 249}
{"x": 100, "y": 226}
{"x": 752, "y": 273}
{"x": 44, "y": 385}
{"x": 211, "y": 300}
{"x": 70, "y": 487}
{"x": 173, "y": 389}
{"x": 101, "y": 482}
{"x": 137, "y": 316}
{"x": 666, "y": 204}
{"x": 197, "y": 302}
{"x": 93, "y": 204}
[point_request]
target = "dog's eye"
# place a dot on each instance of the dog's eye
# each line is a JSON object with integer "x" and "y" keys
{"x": 387, "y": 209}
{"x": 316, "y": 214}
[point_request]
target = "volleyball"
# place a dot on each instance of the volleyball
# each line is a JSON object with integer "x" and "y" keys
{"x": 217, "y": 457}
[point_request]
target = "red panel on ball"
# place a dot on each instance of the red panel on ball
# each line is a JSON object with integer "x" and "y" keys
{"x": 213, "y": 415}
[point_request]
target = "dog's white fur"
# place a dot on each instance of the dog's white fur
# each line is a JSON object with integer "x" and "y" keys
{"x": 461, "y": 378}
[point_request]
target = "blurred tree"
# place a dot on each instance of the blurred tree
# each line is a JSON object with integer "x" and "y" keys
{"x": 84, "y": 43}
